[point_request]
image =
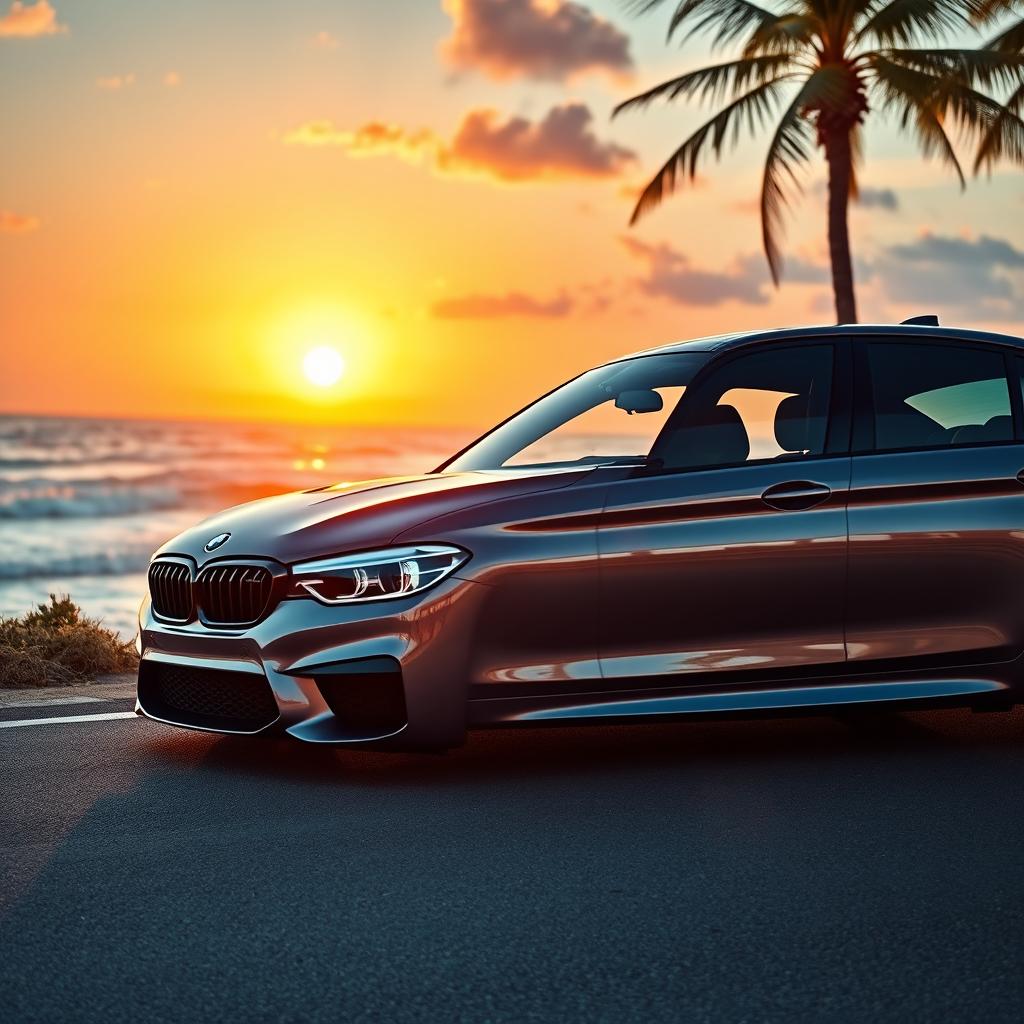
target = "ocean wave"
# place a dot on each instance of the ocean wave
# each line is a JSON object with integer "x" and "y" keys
{"x": 79, "y": 470}
{"x": 112, "y": 497}
{"x": 47, "y": 461}
{"x": 122, "y": 562}
{"x": 50, "y": 500}
{"x": 95, "y": 473}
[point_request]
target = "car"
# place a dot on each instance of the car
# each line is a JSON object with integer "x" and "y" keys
{"x": 787, "y": 521}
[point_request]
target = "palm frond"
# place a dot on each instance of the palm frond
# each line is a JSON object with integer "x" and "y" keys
{"x": 711, "y": 83}
{"x": 641, "y": 6}
{"x": 785, "y": 34}
{"x": 1011, "y": 40}
{"x": 752, "y": 108}
{"x": 791, "y": 146}
{"x": 901, "y": 21}
{"x": 729, "y": 19}
{"x": 1016, "y": 101}
{"x": 1004, "y": 137}
{"x": 979, "y": 67}
{"x": 973, "y": 111}
{"x": 921, "y": 101}
{"x": 993, "y": 10}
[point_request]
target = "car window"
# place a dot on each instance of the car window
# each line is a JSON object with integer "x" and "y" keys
{"x": 610, "y": 415}
{"x": 935, "y": 396}
{"x": 599, "y": 433}
{"x": 771, "y": 404}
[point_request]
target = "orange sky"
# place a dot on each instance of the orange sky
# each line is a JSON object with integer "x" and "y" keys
{"x": 195, "y": 195}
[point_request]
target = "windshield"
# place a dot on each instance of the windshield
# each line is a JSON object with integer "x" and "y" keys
{"x": 607, "y": 416}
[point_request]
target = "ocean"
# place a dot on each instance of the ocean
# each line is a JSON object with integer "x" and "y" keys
{"x": 85, "y": 502}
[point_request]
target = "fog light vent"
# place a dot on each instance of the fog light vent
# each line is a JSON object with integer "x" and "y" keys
{"x": 366, "y": 696}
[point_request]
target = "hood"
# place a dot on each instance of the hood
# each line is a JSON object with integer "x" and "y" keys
{"x": 352, "y": 516}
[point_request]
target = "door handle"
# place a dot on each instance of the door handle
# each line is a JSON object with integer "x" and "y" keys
{"x": 795, "y": 495}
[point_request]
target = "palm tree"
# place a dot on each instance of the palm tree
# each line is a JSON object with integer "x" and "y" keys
{"x": 1005, "y": 137}
{"x": 827, "y": 65}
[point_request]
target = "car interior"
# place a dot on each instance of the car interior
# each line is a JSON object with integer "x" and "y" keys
{"x": 938, "y": 396}
{"x": 954, "y": 407}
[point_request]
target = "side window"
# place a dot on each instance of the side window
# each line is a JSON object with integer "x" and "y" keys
{"x": 933, "y": 396}
{"x": 770, "y": 404}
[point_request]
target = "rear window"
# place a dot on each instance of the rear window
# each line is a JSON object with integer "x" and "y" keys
{"x": 935, "y": 396}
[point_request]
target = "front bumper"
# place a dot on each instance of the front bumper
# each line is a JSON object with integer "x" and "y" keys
{"x": 332, "y": 672}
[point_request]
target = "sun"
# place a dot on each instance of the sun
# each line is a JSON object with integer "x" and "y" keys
{"x": 323, "y": 366}
{"x": 321, "y": 355}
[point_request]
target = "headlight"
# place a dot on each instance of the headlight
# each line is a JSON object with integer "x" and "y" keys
{"x": 375, "y": 575}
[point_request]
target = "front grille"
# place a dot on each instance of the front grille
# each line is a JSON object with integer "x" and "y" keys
{"x": 233, "y": 594}
{"x": 224, "y": 594}
{"x": 206, "y": 697}
{"x": 170, "y": 586}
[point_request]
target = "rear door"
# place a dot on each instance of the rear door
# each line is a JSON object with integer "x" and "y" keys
{"x": 936, "y": 504}
{"x": 730, "y": 556}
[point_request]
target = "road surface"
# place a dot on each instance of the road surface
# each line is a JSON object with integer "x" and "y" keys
{"x": 796, "y": 870}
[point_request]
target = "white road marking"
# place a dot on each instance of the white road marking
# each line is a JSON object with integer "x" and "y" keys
{"x": 69, "y": 718}
{"x": 49, "y": 702}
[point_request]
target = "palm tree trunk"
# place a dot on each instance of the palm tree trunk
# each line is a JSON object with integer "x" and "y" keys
{"x": 839, "y": 157}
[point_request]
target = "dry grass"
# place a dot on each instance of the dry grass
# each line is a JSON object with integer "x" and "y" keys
{"x": 55, "y": 645}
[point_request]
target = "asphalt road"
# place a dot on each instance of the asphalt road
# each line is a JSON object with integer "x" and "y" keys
{"x": 792, "y": 870}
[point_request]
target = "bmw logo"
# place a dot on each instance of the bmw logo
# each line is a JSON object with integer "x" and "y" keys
{"x": 215, "y": 542}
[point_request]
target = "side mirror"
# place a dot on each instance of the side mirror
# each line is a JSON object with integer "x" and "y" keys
{"x": 641, "y": 400}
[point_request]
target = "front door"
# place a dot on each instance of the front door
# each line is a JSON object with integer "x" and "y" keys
{"x": 936, "y": 507}
{"x": 727, "y": 555}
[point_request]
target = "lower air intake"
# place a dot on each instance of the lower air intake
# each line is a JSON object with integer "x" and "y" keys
{"x": 367, "y": 696}
{"x": 206, "y": 698}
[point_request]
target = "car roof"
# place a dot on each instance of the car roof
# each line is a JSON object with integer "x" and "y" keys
{"x": 721, "y": 342}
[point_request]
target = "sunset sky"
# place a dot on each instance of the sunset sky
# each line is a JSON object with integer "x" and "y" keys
{"x": 194, "y": 195}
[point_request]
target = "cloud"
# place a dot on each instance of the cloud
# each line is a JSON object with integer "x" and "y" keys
{"x": 114, "y": 82}
{"x": 485, "y": 307}
{"x": 560, "y": 146}
{"x": 172, "y": 79}
{"x": 541, "y": 39}
{"x": 981, "y": 277}
{"x": 879, "y": 199}
{"x": 867, "y": 197}
{"x": 26, "y": 20}
{"x": 324, "y": 41}
{"x": 795, "y": 270}
{"x": 17, "y": 223}
{"x": 670, "y": 275}
{"x": 375, "y": 138}
{"x": 961, "y": 252}
{"x": 977, "y": 278}
{"x": 318, "y": 133}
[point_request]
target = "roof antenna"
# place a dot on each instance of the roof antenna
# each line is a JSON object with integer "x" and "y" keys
{"x": 928, "y": 320}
